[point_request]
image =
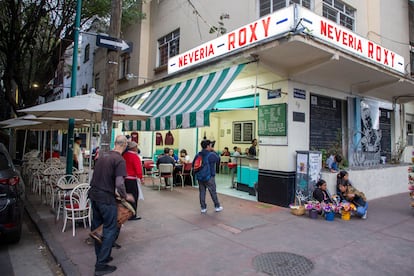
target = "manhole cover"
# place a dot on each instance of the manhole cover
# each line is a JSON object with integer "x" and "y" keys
{"x": 283, "y": 264}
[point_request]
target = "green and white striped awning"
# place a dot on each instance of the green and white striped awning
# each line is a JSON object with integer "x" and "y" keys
{"x": 185, "y": 104}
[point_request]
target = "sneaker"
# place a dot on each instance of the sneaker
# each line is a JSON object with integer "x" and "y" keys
{"x": 116, "y": 245}
{"x": 365, "y": 215}
{"x": 219, "y": 209}
{"x": 104, "y": 270}
{"x": 110, "y": 259}
{"x": 203, "y": 211}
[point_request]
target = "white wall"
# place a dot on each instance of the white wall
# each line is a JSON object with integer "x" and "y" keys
{"x": 375, "y": 183}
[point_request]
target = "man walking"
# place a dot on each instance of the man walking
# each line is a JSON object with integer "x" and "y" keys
{"x": 108, "y": 175}
{"x": 211, "y": 157}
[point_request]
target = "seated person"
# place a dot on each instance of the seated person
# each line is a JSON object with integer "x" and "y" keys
{"x": 166, "y": 159}
{"x": 352, "y": 195}
{"x": 184, "y": 157}
{"x": 334, "y": 166}
{"x": 342, "y": 176}
{"x": 225, "y": 152}
{"x": 321, "y": 193}
{"x": 173, "y": 155}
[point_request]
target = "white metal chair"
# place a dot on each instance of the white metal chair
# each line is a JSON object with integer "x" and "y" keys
{"x": 224, "y": 161}
{"x": 62, "y": 197}
{"x": 79, "y": 207}
{"x": 166, "y": 172}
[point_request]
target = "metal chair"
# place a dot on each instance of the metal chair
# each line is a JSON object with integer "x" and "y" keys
{"x": 149, "y": 170}
{"x": 224, "y": 161}
{"x": 166, "y": 172}
{"x": 186, "y": 171}
{"x": 62, "y": 197}
{"x": 79, "y": 207}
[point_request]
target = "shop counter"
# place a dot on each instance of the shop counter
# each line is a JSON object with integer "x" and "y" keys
{"x": 247, "y": 173}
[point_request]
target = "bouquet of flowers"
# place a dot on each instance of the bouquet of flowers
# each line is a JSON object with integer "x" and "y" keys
{"x": 313, "y": 205}
{"x": 347, "y": 207}
{"x": 327, "y": 208}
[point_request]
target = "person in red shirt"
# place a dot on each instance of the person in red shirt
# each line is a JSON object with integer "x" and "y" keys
{"x": 134, "y": 173}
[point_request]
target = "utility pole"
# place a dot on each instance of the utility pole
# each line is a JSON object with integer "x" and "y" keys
{"x": 71, "y": 124}
{"x": 111, "y": 73}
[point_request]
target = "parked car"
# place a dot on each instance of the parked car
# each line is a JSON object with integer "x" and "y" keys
{"x": 11, "y": 199}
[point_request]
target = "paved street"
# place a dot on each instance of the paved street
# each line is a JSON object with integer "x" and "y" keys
{"x": 28, "y": 257}
{"x": 173, "y": 238}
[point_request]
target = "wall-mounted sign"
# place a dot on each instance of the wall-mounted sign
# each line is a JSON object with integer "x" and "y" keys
{"x": 299, "y": 93}
{"x": 345, "y": 39}
{"x": 280, "y": 22}
{"x": 272, "y": 120}
{"x": 273, "y": 94}
{"x": 264, "y": 28}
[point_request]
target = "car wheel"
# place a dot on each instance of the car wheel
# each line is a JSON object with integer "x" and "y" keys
{"x": 15, "y": 236}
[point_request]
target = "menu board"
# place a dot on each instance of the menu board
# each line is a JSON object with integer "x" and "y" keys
{"x": 325, "y": 121}
{"x": 272, "y": 120}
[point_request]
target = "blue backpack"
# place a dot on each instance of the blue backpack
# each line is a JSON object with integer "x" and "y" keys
{"x": 202, "y": 168}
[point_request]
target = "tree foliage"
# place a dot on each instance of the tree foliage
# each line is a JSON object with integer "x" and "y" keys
{"x": 34, "y": 35}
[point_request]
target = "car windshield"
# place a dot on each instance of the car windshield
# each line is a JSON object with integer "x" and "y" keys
{"x": 4, "y": 162}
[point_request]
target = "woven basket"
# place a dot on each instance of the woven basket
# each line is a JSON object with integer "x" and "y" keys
{"x": 297, "y": 209}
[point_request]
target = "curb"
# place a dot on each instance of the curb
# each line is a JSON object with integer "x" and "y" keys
{"x": 57, "y": 251}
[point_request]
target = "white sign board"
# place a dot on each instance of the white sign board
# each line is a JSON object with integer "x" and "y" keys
{"x": 264, "y": 28}
{"x": 345, "y": 39}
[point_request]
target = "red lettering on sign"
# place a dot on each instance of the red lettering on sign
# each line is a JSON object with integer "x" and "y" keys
{"x": 242, "y": 36}
{"x": 196, "y": 55}
{"x": 266, "y": 24}
{"x": 247, "y": 35}
{"x": 253, "y": 37}
{"x": 378, "y": 53}
{"x": 370, "y": 49}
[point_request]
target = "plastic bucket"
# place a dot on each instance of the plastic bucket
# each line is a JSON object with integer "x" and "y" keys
{"x": 346, "y": 215}
{"x": 330, "y": 216}
{"x": 313, "y": 214}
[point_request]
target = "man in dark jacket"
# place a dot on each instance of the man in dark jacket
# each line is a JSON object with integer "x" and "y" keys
{"x": 212, "y": 158}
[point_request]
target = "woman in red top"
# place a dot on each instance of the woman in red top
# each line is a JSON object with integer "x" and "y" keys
{"x": 134, "y": 173}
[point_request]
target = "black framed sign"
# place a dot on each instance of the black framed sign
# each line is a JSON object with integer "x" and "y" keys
{"x": 243, "y": 132}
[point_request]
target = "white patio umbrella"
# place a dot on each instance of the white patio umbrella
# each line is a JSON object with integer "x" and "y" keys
{"x": 89, "y": 107}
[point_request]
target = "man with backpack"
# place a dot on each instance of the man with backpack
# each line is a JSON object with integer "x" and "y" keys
{"x": 204, "y": 166}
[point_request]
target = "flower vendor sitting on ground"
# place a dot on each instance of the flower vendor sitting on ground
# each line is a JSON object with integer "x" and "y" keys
{"x": 321, "y": 193}
{"x": 352, "y": 195}
{"x": 342, "y": 176}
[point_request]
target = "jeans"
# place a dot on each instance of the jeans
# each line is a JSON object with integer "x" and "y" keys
{"x": 211, "y": 186}
{"x": 105, "y": 214}
{"x": 362, "y": 209}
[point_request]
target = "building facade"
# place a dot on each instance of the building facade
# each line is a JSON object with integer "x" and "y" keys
{"x": 313, "y": 75}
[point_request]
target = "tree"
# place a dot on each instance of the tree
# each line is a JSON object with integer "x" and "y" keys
{"x": 34, "y": 35}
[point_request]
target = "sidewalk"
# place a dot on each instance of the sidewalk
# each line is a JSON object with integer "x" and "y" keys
{"x": 173, "y": 238}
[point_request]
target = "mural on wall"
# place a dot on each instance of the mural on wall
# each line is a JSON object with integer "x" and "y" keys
{"x": 369, "y": 144}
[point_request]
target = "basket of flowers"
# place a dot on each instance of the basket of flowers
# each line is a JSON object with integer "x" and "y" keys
{"x": 313, "y": 208}
{"x": 346, "y": 209}
{"x": 297, "y": 208}
{"x": 329, "y": 211}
